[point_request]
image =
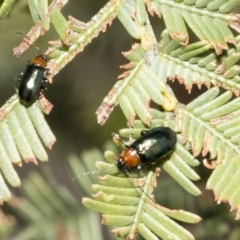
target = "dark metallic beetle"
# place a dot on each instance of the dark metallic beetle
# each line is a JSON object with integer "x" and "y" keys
{"x": 151, "y": 146}
{"x": 147, "y": 149}
{"x": 33, "y": 80}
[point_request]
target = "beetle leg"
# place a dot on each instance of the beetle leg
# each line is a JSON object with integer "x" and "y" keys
{"x": 126, "y": 169}
{"x": 131, "y": 132}
{"x": 41, "y": 95}
{"x": 43, "y": 87}
{"x": 45, "y": 81}
{"x": 45, "y": 78}
{"x": 17, "y": 80}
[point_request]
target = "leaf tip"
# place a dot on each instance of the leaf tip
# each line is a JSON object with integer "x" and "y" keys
{"x": 103, "y": 112}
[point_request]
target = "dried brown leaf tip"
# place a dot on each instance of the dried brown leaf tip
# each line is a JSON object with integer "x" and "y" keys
{"x": 103, "y": 112}
{"x": 45, "y": 105}
{"x": 76, "y": 25}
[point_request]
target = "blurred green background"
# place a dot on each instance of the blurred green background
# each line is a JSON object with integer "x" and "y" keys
{"x": 76, "y": 93}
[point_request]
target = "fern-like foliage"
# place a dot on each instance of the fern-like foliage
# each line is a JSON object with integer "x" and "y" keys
{"x": 23, "y": 132}
{"x": 196, "y": 63}
{"x": 6, "y": 7}
{"x": 23, "y": 128}
{"x": 51, "y": 212}
{"x": 127, "y": 203}
{"x": 212, "y": 60}
{"x": 210, "y": 124}
{"x": 8, "y": 222}
{"x": 209, "y": 20}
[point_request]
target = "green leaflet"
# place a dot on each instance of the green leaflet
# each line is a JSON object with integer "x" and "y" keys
{"x": 215, "y": 123}
{"x": 128, "y": 208}
{"x": 6, "y": 7}
{"x": 22, "y": 132}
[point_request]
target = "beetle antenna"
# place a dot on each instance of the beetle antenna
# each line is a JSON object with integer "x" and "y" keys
{"x": 129, "y": 175}
{"x": 107, "y": 169}
{"x": 131, "y": 132}
{"x": 31, "y": 42}
{"x": 143, "y": 191}
{"x": 94, "y": 172}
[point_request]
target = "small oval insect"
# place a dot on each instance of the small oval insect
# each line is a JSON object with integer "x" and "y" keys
{"x": 33, "y": 80}
{"x": 151, "y": 146}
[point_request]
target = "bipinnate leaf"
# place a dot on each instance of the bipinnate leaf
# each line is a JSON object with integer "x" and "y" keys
{"x": 128, "y": 203}
{"x": 23, "y": 132}
{"x": 210, "y": 124}
{"x": 48, "y": 208}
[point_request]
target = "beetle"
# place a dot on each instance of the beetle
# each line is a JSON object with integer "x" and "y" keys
{"x": 151, "y": 146}
{"x": 33, "y": 80}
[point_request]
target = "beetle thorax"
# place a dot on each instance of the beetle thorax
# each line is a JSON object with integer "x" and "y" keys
{"x": 39, "y": 60}
{"x": 129, "y": 157}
